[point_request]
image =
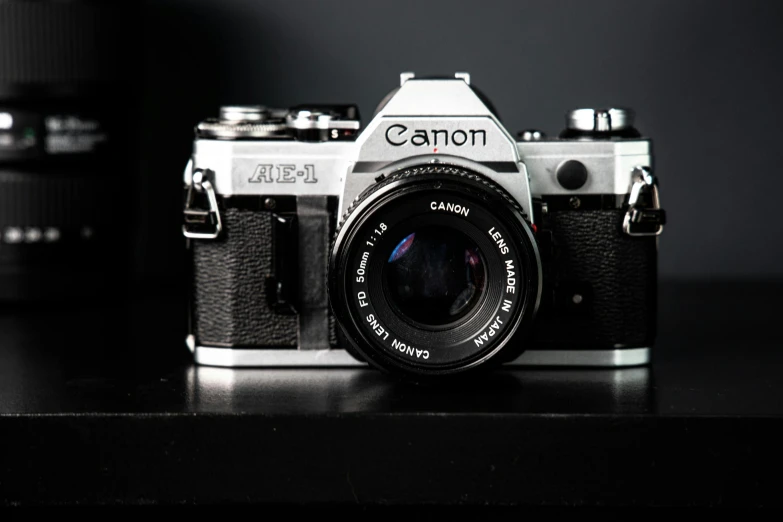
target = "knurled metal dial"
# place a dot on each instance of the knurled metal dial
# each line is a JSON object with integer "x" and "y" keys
{"x": 599, "y": 120}
{"x": 245, "y": 122}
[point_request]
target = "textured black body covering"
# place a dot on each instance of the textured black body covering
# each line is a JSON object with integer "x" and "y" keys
{"x": 230, "y": 305}
{"x": 589, "y": 255}
{"x": 615, "y": 275}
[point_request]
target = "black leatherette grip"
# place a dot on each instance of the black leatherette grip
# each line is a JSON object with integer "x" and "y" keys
{"x": 615, "y": 276}
{"x": 230, "y": 306}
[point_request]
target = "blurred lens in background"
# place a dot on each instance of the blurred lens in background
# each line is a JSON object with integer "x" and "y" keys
{"x": 66, "y": 106}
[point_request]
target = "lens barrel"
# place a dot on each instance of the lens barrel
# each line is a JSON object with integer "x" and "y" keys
{"x": 433, "y": 271}
{"x": 64, "y": 195}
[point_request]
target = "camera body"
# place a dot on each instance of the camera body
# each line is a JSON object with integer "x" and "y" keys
{"x": 299, "y": 226}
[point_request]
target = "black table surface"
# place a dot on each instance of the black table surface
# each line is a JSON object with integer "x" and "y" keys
{"x": 100, "y": 404}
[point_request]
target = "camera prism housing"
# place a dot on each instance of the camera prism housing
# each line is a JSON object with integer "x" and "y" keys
{"x": 430, "y": 243}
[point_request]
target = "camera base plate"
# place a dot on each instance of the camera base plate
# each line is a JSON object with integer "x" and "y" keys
{"x": 277, "y": 358}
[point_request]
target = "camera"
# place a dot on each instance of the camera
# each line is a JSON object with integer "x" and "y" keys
{"x": 63, "y": 188}
{"x": 430, "y": 243}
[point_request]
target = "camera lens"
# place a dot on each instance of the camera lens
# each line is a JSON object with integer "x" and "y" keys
{"x": 64, "y": 192}
{"x": 434, "y": 271}
{"x": 435, "y": 276}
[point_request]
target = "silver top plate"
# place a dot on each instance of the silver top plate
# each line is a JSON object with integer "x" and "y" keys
{"x": 610, "y": 164}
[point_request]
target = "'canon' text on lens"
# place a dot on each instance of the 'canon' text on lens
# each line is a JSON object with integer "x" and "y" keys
{"x": 450, "y": 207}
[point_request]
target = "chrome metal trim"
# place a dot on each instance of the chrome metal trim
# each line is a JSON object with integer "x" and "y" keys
{"x": 200, "y": 183}
{"x": 244, "y": 112}
{"x": 643, "y": 180}
{"x": 232, "y": 130}
{"x": 306, "y": 119}
{"x": 270, "y": 358}
{"x": 600, "y": 120}
{"x": 609, "y": 163}
{"x": 405, "y": 76}
{"x": 265, "y": 357}
{"x": 612, "y": 358}
{"x": 465, "y": 76}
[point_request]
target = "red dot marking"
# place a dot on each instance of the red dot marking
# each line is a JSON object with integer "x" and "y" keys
{"x": 535, "y": 228}
{"x": 435, "y": 149}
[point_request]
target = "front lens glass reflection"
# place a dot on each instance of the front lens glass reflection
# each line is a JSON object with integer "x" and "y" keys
{"x": 435, "y": 276}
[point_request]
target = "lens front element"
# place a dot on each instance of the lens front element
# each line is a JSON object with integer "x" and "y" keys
{"x": 435, "y": 276}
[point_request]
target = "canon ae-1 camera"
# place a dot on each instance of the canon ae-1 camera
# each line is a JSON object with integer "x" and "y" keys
{"x": 430, "y": 243}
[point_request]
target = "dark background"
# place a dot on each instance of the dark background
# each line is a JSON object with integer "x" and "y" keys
{"x": 101, "y": 404}
{"x": 703, "y": 75}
